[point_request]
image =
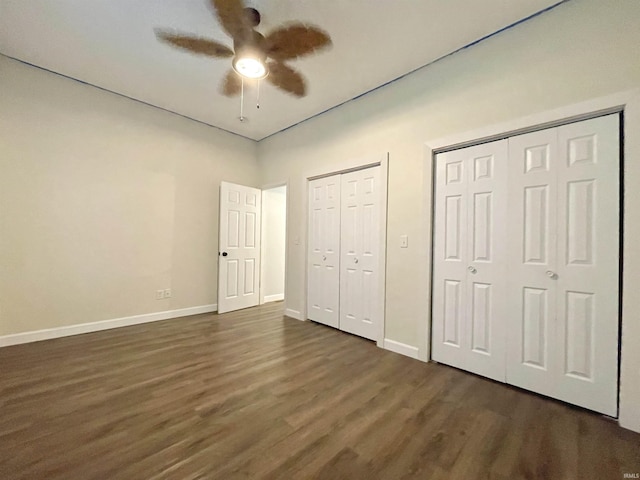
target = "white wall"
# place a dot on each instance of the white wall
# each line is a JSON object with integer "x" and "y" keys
{"x": 580, "y": 50}
{"x": 274, "y": 225}
{"x": 103, "y": 201}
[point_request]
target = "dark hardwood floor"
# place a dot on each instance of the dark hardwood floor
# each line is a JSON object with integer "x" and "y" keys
{"x": 256, "y": 395}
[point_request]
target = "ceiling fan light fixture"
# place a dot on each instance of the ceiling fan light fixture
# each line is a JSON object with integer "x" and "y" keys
{"x": 251, "y": 49}
{"x": 249, "y": 67}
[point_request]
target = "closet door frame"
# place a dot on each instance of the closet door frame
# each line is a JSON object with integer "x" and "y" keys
{"x": 381, "y": 160}
{"x": 626, "y": 103}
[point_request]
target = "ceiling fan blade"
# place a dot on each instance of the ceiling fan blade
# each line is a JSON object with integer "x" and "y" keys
{"x": 233, "y": 18}
{"x": 287, "y": 79}
{"x": 201, "y": 46}
{"x": 295, "y": 40}
{"x": 231, "y": 85}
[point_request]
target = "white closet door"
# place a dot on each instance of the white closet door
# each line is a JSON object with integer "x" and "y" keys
{"x": 450, "y": 262}
{"x": 323, "y": 284}
{"x": 239, "y": 243}
{"x": 588, "y": 263}
{"x": 469, "y": 259}
{"x": 533, "y": 208}
{"x": 564, "y": 341}
{"x": 360, "y": 292}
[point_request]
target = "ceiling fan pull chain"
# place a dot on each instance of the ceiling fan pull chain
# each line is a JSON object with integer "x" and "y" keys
{"x": 258, "y": 98}
{"x": 241, "y": 98}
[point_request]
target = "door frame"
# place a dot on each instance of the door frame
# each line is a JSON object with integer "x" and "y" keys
{"x": 382, "y": 160}
{"x": 268, "y": 186}
{"x": 627, "y": 103}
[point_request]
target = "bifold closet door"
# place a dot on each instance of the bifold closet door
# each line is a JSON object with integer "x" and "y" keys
{"x": 563, "y": 262}
{"x": 469, "y": 259}
{"x": 323, "y": 283}
{"x": 360, "y": 289}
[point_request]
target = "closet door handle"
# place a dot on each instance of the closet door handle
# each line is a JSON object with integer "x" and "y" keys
{"x": 324, "y": 257}
{"x": 551, "y": 274}
{"x": 472, "y": 269}
{"x": 355, "y": 260}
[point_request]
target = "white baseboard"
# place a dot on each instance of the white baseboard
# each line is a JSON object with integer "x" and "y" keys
{"x": 401, "y": 348}
{"x": 49, "y": 333}
{"x": 293, "y": 313}
{"x": 273, "y": 298}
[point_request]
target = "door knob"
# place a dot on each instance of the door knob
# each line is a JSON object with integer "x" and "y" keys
{"x": 324, "y": 257}
{"x": 224, "y": 254}
{"x": 355, "y": 260}
{"x": 472, "y": 269}
{"x": 551, "y": 274}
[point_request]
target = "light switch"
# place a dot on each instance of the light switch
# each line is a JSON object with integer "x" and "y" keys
{"x": 404, "y": 241}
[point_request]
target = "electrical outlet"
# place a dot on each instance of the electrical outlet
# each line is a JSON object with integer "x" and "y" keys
{"x": 167, "y": 293}
{"x": 159, "y": 294}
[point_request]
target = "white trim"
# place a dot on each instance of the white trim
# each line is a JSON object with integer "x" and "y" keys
{"x": 273, "y": 298}
{"x": 401, "y": 348}
{"x": 290, "y": 312}
{"x": 425, "y": 257}
{"x": 69, "y": 330}
{"x": 382, "y": 260}
{"x": 381, "y": 159}
{"x": 629, "y": 102}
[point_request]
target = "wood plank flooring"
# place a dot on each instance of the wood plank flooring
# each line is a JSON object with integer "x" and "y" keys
{"x": 255, "y": 395}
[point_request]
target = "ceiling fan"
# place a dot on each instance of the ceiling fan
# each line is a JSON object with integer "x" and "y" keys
{"x": 254, "y": 55}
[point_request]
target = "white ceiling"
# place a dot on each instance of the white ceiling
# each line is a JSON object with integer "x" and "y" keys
{"x": 111, "y": 44}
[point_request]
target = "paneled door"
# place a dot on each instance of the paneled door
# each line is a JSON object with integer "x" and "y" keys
{"x": 323, "y": 285}
{"x": 564, "y": 262}
{"x": 360, "y": 289}
{"x": 239, "y": 247}
{"x": 469, "y": 259}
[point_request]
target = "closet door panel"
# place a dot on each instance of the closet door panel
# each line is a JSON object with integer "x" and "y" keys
{"x": 360, "y": 292}
{"x": 588, "y": 265}
{"x": 469, "y": 259}
{"x": 532, "y": 232}
{"x": 563, "y": 255}
{"x": 323, "y": 293}
{"x": 450, "y": 336}
{"x": 486, "y": 258}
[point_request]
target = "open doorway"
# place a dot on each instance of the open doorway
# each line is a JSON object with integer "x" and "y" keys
{"x": 274, "y": 228}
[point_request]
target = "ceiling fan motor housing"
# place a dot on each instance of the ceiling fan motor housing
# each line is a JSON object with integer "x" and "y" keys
{"x": 253, "y": 16}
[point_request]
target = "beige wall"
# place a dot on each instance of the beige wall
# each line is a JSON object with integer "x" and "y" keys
{"x": 581, "y": 50}
{"x": 103, "y": 201}
{"x": 274, "y": 224}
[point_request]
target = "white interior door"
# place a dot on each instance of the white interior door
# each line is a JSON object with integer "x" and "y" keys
{"x": 323, "y": 266}
{"x": 239, "y": 245}
{"x": 360, "y": 289}
{"x": 532, "y": 251}
{"x": 588, "y": 266}
{"x": 565, "y": 256}
{"x": 469, "y": 321}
